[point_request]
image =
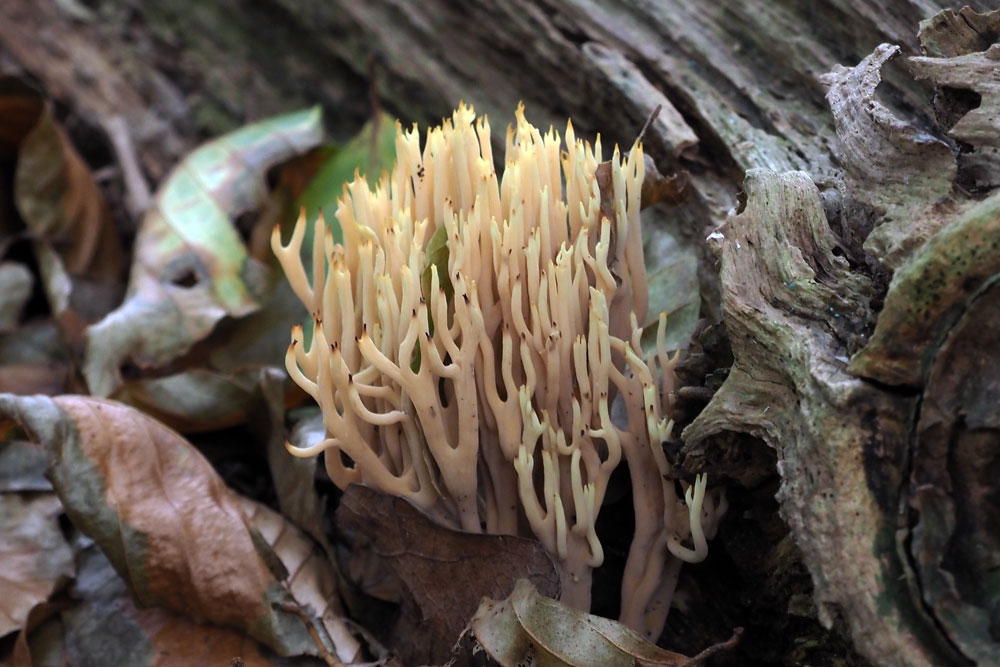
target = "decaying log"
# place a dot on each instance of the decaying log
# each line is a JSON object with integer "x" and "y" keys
{"x": 885, "y": 437}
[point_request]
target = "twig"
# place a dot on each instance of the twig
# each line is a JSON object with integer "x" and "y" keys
{"x": 137, "y": 193}
{"x": 295, "y": 608}
{"x": 373, "y": 62}
{"x": 714, "y": 649}
{"x": 649, "y": 121}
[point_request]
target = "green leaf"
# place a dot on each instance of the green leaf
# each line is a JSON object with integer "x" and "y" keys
{"x": 360, "y": 154}
{"x": 437, "y": 256}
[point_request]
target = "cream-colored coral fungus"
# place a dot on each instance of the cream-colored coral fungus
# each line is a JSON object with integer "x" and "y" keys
{"x": 477, "y": 379}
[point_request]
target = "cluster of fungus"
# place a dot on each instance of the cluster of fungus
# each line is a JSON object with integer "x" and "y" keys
{"x": 472, "y": 334}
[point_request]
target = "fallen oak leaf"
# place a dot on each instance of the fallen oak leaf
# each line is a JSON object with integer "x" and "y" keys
{"x": 162, "y": 515}
{"x": 657, "y": 188}
{"x": 421, "y": 555}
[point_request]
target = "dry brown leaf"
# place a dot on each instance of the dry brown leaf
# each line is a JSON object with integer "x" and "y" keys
{"x": 443, "y": 574}
{"x": 529, "y": 628}
{"x": 656, "y": 188}
{"x": 77, "y": 247}
{"x": 20, "y": 105}
{"x": 60, "y": 202}
{"x": 54, "y": 190}
{"x": 34, "y": 555}
{"x": 39, "y": 614}
{"x": 160, "y": 512}
{"x": 311, "y": 578}
{"x": 106, "y": 627}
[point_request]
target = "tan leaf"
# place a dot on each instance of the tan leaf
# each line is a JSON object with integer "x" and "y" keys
{"x": 310, "y": 579}
{"x": 529, "y": 628}
{"x": 54, "y": 190}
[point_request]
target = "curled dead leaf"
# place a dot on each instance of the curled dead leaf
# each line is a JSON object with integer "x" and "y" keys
{"x": 191, "y": 267}
{"x": 161, "y": 514}
{"x": 64, "y": 212}
{"x": 61, "y": 204}
{"x": 310, "y": 576}
{"x": 529, "y": 628}
{"x": 105, "y": 626}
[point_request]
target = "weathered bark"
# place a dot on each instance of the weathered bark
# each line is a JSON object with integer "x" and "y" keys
{"x": 873, "y": 487}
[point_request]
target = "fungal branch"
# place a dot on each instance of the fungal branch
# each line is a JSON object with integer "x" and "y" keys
{"x": 472, "y": 335}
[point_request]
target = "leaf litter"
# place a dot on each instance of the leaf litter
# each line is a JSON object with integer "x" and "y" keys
{"x": 181, "y": 569}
